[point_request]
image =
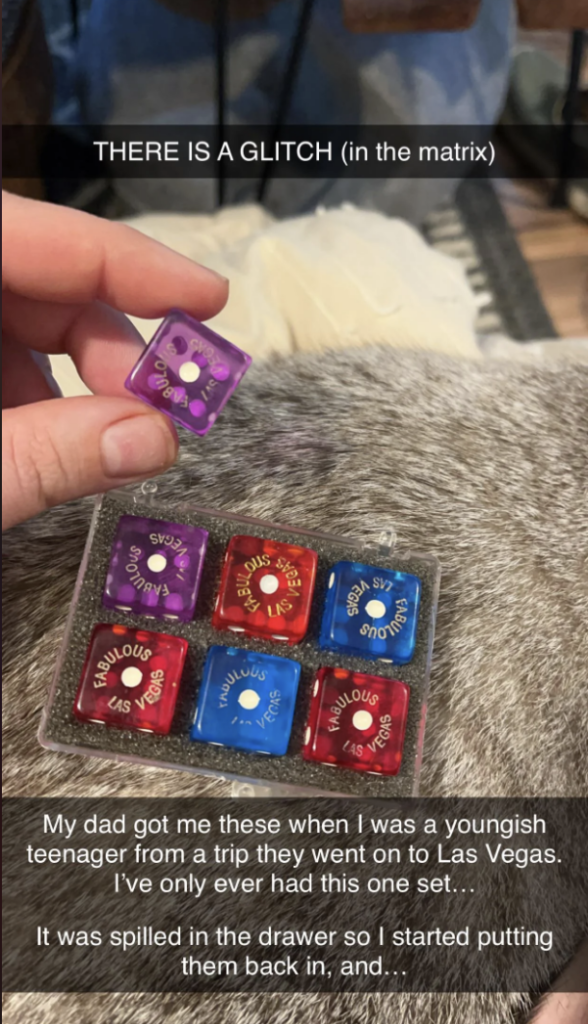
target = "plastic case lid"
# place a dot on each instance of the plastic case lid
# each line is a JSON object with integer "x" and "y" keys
{"x": 251, "y": 775}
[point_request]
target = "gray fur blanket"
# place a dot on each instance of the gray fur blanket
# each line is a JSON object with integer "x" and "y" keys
{"x": 483, "y": 464}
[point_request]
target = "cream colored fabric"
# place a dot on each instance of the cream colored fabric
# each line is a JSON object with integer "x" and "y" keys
{"x": 67, "y": 377}
{"x": 333, "y": 279}
{"x": 328, "y": 280}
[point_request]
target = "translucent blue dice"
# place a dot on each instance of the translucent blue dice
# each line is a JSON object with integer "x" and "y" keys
{"x": 246, "y": 700}
{"x": 371, "y": 612}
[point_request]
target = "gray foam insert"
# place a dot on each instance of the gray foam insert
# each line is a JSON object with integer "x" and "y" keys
{"x": 62, "y": 729}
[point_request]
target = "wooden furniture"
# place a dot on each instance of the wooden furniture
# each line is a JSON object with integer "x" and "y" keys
{"x": 451, "y": 15}
{"x": 409, "y": 15}
{"x": 552, "y": 14}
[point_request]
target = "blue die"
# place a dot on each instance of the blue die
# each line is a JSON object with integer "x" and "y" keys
{"x": 246, "y": 700}
{"x": 371, "y": 612}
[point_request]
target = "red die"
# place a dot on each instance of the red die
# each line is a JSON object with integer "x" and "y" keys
{"x": 357, "y": 721}
{"x": 131, "y": 679}
{"x": 266, "y": 589}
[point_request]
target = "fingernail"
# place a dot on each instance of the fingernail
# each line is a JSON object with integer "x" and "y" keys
{"x": 137, "y": 446}
{"x": 219, "y": 277}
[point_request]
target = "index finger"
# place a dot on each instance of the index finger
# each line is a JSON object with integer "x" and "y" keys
{"x": 62, "y": 255}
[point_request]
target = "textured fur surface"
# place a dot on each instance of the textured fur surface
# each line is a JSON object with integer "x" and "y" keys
{"x": 486, "y": 465}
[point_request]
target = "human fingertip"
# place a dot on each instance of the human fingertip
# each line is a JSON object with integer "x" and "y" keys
{"x": 137, "y": 446}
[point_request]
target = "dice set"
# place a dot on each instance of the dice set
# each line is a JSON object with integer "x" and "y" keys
{"x": 188, "y": 372}
{"x": 245, "y": 698}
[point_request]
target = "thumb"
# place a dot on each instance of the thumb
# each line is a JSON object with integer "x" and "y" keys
{"x": 568, "y": 1002}
{"x": 65, "y": 448}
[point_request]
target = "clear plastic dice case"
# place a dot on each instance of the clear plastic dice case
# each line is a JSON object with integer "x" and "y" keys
{"x": 291, "y": 661}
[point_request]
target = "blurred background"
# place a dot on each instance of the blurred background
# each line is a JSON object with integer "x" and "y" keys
{"x": 464, "y": 266}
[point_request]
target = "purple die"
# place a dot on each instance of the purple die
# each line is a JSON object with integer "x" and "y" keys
{"x": 155, "y": 568}
{"x": 188, "y": 372}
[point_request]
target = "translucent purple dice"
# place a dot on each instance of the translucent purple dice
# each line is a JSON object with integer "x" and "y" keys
{"x": 155, "y": 568}
{"x": 188, "y": 372}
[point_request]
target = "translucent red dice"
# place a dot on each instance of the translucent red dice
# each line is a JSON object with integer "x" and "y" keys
{"x": 266, "y": 589}
{"x": 188, "y": 372}
{"x": 131, "y": 679}
{"x": 357, "y": 721}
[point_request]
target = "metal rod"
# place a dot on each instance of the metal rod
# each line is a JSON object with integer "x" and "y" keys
{"x": 288, "y": 84}
{"x": 570, "y": 111}
{"x": 221, "y": 32}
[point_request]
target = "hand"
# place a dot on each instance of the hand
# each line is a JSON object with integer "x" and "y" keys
{"x": 566, "y": 1004}
{"x": 67, "y": 281}
{"x": 571, "y": 1008}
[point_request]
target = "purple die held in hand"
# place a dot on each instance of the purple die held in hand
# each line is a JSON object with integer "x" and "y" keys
{"x": 188, "y": 372}
{"x": 155, "y": 568}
